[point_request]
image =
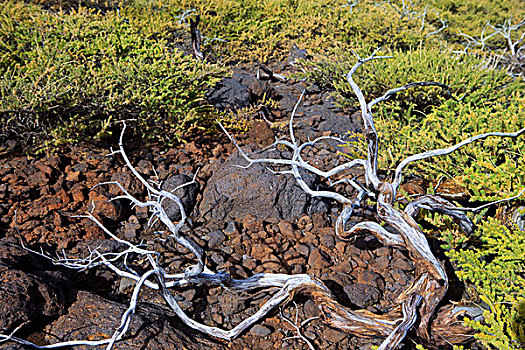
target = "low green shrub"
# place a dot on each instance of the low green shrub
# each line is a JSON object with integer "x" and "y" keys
{"x": 497, "y": 271}
{"x": 77, "y": 73}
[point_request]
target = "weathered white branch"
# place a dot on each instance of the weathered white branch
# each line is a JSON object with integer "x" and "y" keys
{"x": 441, "y": 205}
{"x": 409, "y": 318}
{"x": 295, "y": 324}
{"x": 444, "y": 151}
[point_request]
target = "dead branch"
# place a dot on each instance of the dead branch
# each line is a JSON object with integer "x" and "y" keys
{"x": 196, "y": 38}
{"x": 420, "y": 301}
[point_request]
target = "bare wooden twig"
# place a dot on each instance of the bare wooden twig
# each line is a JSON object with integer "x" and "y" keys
{"x": 196, "y": 38}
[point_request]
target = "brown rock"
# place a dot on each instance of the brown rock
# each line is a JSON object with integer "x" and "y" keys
{"x": 328, "y": 241}
{"x": 362, "y": 295}
{"x": 382, "y": 262}
{"x": 43, "y": 168}
{"x": 286, "y": 229}
{"x": 333, "y": 336}
{"x": 78, "y": 192}
{"x": 262, "y": 133}
{"x": 403, "y": 264}
{"x": 251, "y": 223}
{"x": 316, "y": 260}
{"x": 305, "y": 223}
{"x": 260, "y": 251}
{"x": 73, "y": 176}
{"x": 370, "y": 278}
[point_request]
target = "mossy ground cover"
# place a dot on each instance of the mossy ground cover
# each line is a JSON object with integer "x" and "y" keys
{"x": 73, "y": 75}
{"x": 70, "y": 73}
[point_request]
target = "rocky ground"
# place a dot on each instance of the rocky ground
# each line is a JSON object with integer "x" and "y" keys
{"x": 248, "y": 221}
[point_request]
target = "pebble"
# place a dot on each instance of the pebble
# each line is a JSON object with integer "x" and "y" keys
{"x": 260, "y": 330}
{"x": 333, "y": 336}
{"x": 402, "y": 264}
{"x": 362, "y": 295}
{"x": 328, "y": 241}
{"x": 231, "y": 229}
{"x": 311, "y": 309}
{"x": 216, "y": 239}
{"x": 316, "y": 260}
{"x": 286, "y": 229}
{"x": 303, "y": 249}
{"x": 305, "y": 223}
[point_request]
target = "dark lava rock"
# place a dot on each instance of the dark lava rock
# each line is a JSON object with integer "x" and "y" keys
{"x": 229, "y": 94}
{"x": 233, "y": 193}
{"x": 241, "y": 90}
{"x": 295, "y": 54}
{"x": 362, "y": 295}
{"x": 187, "y": 195}
{"x": 27, "y": 293}
{"x": 93, "y": 317}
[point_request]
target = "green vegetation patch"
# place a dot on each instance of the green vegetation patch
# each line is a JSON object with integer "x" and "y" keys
{"x": 496, "y": 268}
{"x": 72, "y": 75}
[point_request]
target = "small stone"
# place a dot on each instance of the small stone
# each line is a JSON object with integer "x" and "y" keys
{"x": 217, "y": 318}
{"x": 298, "y": 269}
{"x": 73, "y": 176}
{"x": 260, "y": 331}
{"x": 251, "y": 223}
{"x": 311, "y": 309}
{"x": 400, "y": 276}
{"x": 328, "y": 241}
{"x": 216, "y": 258}
{"x": 185, "y": 191}
{"x": 271, "y": 267}
{"x": 231, "y": 305}
{"x": 260, "y": 251}
{"x": 286, "y": 229}
{"x": 305, "y": 223}
{"x": 189, "y": 295}
{"x": 142, "y": 212}
{"x": 310, "y": 335}
{"x": 130, "y": 230}
{"x": 316, "y": 260}
{"x": 78, "y": 192}
{"x": 303, "y": 249}
{"x": 261, "y": 133}
{"x": 216, "y": 239}
{"x": 382, "y": 262}
{"x": 369, "y": 277}
{"x": 402, "y": 264}
{"x": 362, "y": 295}
{"x": 249, "y": 262}
{"x": 333, "y": 336}
{"x": 319, "y": 220}
{"x": 340, "y": 246}
{"x": 382, "y": 251}
{"x": 231, "y": 229}
{"x": 126, "y": 285}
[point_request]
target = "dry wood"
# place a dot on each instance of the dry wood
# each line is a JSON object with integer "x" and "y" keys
{"x": 420, "y": 301}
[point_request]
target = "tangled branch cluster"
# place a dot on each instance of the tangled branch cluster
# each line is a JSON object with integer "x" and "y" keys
{"x": 419, "y": 303}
